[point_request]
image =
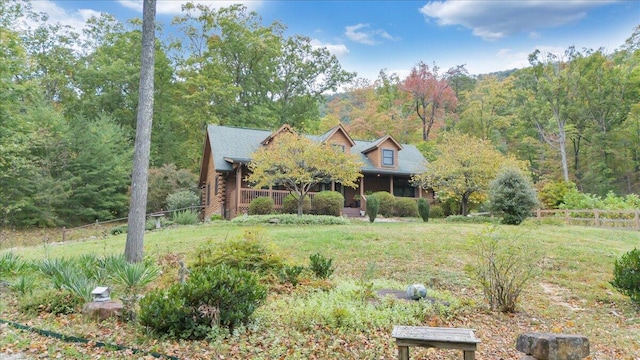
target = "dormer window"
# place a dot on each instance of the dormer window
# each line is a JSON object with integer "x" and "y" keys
{"x": 338, "y": 147}
{"x": 387, "y": 157}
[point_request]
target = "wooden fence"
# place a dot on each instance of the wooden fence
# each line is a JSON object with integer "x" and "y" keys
{"x": 623, "y": 219}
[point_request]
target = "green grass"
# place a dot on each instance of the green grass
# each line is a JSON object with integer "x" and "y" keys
{"x": 578, "y": 262}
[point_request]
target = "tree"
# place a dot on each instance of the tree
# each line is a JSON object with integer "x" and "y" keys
{"x": 134, "y": 247}
{"x": 463, "y": 168}
{"x": 431, "y": 95}
{"x": 512, "y": 195}
{"x": 298, "y": 164}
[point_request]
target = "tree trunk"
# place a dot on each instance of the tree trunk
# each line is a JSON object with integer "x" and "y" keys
{"x": 464, "y": 202}
{"x": 134, "y": 248}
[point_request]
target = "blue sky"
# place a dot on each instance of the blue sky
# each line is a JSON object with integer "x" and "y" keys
{"x": 368, "y": 36}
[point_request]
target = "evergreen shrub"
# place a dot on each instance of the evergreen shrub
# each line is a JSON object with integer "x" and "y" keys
{"x": 261, "y": 206}
{"x": 513, "y": 196}
{"x": 373, "y": 205}
{"x": 387, "y": 203}
{"x": 424, "y": 209}
{"x": 290, "y": 205}
{"x": 405, "y": 207}
{"x": 626, "y": 275}
{"x": 328, "y": 203}
{"x": 211, "y": 297}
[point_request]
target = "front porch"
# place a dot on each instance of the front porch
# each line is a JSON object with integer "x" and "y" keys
{"x": 239, "y": 201}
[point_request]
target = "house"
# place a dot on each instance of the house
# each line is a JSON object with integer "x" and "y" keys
{"x": 388, "y": 166}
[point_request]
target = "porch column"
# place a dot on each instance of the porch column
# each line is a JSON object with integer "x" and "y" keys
{"x": 391, "y": 184}
{"x": 361, "y": 187}
{"x": 333, "y": 185}
{"x": 238, "y": 186}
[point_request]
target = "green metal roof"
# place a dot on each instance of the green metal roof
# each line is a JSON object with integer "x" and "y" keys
{"x": 237, "y": 144}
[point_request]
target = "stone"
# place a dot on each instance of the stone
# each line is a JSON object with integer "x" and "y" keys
{"x": 102, "y": 310}
{"x": 416, "y": 291}
{"x": 548, "y": 346}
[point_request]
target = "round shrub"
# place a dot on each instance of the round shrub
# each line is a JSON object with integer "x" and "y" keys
{"x": 405, "y": 207}
{"x": 387, "y": 203}
{"x": 261, "y": 206}
{"x": 512, "y": 195}
{"x": 436, "y": 212}
{"x": 182, "y": 200}
{"x": 290, "y": 205}
{"x": 373, "y": 205}
{"x": 423, "y": 209}
{"x": 626, "y": 275}
{"x": 211, "y": 297}
{"x": 327, "y": 203}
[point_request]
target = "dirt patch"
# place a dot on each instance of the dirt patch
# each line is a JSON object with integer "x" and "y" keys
{"x": 558, "y": 294}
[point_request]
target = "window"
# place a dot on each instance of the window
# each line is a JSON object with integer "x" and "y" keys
{"x": 403, "y": 188}
{"x": 387, "y": 157}
{"x": 215, "y": 186}
{"x": 338, "y": 147}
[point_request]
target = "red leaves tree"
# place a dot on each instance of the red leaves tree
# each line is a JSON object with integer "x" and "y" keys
{"x": 431, "y": 94}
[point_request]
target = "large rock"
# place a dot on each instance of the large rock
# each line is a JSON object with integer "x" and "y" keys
{"x": 101, "y": 310}
{"x": 547, "y": 346}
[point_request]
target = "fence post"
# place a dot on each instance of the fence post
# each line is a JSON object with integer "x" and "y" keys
{"x": 64, "y": 233}
{"x": 596, "y": 217}
{"x": 566, "y": 217}
{"x": 539, "y": 214}
{"x": 636, "y": 218}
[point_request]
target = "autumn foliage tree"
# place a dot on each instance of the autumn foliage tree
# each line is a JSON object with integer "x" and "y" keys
{"x": 298, "y": 164}
{"x": 463, "y": 170}
{"x": 431, "y": 95}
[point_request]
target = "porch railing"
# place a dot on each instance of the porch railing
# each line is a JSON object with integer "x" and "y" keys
{"x": 248, "y": 195}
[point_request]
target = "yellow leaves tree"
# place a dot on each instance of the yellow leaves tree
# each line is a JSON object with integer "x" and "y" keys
{"x": 298, "y": 164}
{"x": 463, "y": 169}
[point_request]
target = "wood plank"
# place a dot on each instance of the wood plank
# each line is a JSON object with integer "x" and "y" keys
{"x": 434, "y": 334}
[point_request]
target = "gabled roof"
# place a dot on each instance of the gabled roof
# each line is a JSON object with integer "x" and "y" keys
{"x": 377, "y": 143}
{"x": 339, "y": 128}
{"x": 235, "y": 145}
{"x": 283, "y": 128}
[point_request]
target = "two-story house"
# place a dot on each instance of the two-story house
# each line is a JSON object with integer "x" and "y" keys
{"x": 388, "y": 166}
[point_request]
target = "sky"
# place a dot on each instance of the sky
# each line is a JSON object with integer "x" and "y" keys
{"x": 368, "y": 36}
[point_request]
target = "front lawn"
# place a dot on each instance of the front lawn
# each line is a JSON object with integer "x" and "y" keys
{"x": 342, "y": 318}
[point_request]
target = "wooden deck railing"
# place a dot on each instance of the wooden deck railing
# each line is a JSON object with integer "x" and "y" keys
{"x": 627, "y": 219}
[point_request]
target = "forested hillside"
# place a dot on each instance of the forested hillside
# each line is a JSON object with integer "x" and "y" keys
{"x": 68, "y": 102}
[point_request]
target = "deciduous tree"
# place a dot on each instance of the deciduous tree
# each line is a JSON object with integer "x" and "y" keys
{"x": 463, "y": 169}
{"x": 298, "y": 164}
{"x": 431, "y": 94}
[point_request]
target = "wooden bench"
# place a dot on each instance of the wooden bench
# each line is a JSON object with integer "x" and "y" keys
{"x": 434, "y": 337}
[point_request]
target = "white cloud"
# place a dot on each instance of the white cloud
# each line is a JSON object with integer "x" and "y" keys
{"x": 492, "y": 20}
{"x": 174, "y": 7}
{"x": 363, "y": 34}
{"x": 339, "y": 50}
{"x": 75, "y": 19}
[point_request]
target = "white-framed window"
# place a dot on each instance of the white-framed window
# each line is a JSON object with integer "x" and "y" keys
{"x": 387, "y": 157}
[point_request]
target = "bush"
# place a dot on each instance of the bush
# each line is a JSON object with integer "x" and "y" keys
{"x": 261, "y": 206}
{"x": 247, "y": 254}
{"x": 552, "y": 193}
{"x": 512, "y": 195}
{"x": 436, "y": 212}
{"x": 216, "y": 217}
{"x": 290, "y": 205}
{"x": 321, "y": 266}
{"x": 182, "y": 200}
{"x": 53, "y": 302}
{"x": 211, "y": 297}
{"x": 424, "y": 209}
{"x": 185, "y": 217}
{"x": 290, "y": 219}
{"x": 120, "y": 229}
{"x": 503, "y": 268}
{"x": 387, "y": 203}
{"x": 291, "y": 274}
{"x": 626, "y": 275}
{"x": 373, "y": 205}
{"x": 405, "y": 207}
{"x": 328, "y": 203}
